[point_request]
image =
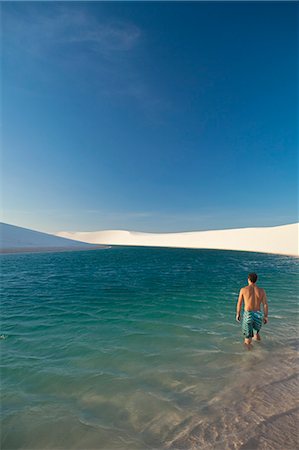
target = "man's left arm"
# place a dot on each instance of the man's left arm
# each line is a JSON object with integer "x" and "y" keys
{"x": 239, "y": 305}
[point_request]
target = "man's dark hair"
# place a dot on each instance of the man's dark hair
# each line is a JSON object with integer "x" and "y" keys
{"x": 252, "y": 277}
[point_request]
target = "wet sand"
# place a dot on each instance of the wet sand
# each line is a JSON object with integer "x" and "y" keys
{"x": 258, "y": 411}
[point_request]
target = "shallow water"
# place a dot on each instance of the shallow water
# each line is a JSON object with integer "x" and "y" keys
{"x": 138, "y": 348}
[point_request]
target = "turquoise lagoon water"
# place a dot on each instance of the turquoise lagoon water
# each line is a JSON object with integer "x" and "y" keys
{"x": 138, "y": 348}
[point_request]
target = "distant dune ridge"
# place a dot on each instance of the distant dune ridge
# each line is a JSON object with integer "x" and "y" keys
{"x": 14, "y": 239}
{"x": 281, "y": 239}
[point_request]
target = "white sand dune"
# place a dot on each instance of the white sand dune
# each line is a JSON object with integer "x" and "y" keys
{"x": 279, "y": 239}
{"x": 13, "y": 237}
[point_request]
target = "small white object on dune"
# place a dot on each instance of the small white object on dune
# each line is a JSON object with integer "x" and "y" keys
{"x": 281, "y": 239}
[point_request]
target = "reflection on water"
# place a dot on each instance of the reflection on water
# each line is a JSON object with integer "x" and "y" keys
{"x": 136, "y": 348}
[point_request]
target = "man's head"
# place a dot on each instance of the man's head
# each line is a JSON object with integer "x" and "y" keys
{"x": 252, "y": 277}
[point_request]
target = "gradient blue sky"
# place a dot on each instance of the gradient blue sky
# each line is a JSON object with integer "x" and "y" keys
{"x": 149, "y": 116}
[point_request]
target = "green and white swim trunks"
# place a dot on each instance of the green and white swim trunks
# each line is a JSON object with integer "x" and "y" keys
{"x": 252, "y": 320}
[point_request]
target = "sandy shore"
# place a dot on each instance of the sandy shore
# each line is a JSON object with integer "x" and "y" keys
{"x": 257, "y": 411}
{"x": 279, "y": 239}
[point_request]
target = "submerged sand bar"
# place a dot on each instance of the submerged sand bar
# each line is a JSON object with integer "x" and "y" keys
{"x": 281, "y": 240}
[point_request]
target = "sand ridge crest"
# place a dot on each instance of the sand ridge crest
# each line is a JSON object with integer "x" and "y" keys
{"x": 282, "y": 239}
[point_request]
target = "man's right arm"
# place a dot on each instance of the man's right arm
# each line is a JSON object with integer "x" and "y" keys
{"x": 239, "y": 305}
{"x": 265, "y": 306}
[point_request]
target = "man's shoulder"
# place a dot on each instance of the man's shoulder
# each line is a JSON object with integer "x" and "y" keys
{"x": 247, "y": 288}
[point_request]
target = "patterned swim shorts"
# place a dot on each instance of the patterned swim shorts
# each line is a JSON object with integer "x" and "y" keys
{"x": 252, "y": 320}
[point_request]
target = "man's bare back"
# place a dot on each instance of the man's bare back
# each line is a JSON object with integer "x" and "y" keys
{"x": 253, "y": 297}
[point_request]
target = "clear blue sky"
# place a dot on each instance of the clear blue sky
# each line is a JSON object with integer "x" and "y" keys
{"x": 149, "y": 116}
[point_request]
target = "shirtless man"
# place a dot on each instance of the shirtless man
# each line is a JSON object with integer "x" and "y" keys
{"x": 253, "y": 297}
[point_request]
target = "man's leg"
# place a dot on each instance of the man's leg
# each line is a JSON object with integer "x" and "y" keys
{"x": 247, "y": 328}
{"x": 257, "y": 325}
{"x": 247, "y": 343}
{"x": 257, "y": 337}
